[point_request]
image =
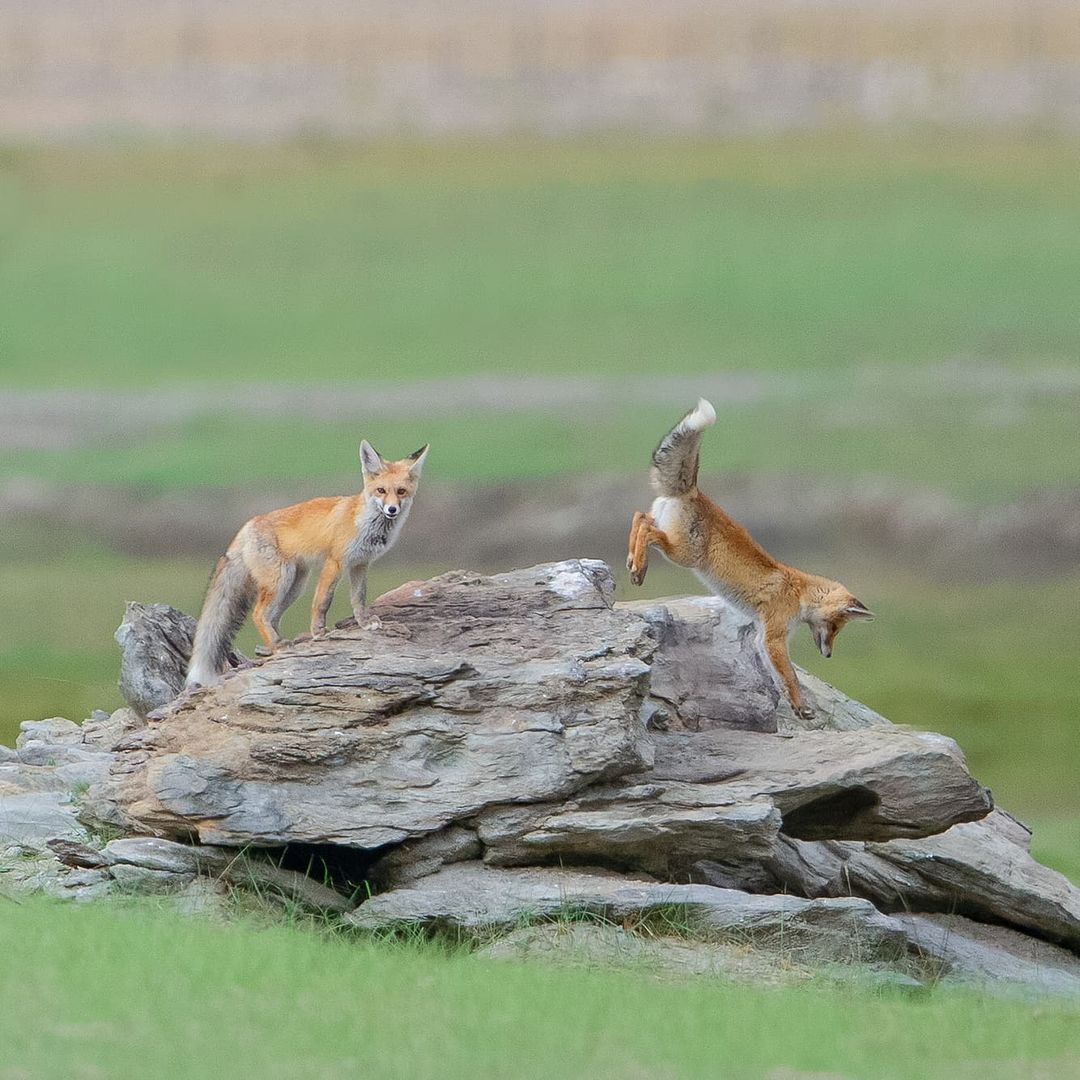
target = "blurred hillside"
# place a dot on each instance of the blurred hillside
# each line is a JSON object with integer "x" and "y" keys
{"x": 259, "y": 68}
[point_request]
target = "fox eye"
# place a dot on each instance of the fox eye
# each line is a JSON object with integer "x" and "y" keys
{"x": 380, "y": 491}
{"x": 400, "y": 491}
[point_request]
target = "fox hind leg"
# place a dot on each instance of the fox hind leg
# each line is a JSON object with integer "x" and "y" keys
{"x": 290, "y": 583}
{"x": 264, "y": 600}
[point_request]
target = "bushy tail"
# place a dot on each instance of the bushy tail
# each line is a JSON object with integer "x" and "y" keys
{"x": 228, "y": 601}
{"x": 675, "y": 460}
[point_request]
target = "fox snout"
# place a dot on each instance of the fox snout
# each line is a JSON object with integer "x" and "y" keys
{"x": 390, "y": 510}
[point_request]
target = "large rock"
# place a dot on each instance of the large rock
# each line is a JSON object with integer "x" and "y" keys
{"x": 476, "y": 691}
{"x": 471, "y": 896}
{"x": 726, "y": 795}
{"x": 496, "y": 731}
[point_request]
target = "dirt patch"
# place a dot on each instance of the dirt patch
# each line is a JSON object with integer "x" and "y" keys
{"x": 521, "y": 523}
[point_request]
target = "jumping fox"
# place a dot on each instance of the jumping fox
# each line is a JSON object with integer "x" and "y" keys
{"x": 266, "y": 565}
{"x": 693, "y": 531}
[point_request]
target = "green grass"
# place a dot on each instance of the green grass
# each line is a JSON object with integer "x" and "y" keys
{"x": 980, "y": 450}
{"x": 128, "y": 993}
{"x": 178, "y": 264}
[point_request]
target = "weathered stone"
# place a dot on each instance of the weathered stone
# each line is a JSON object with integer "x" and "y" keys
{"x": 476, "y": 691}
{"x": 78, "y": 774}
{"x": 472, "y": 896}
{"x": 877, "y": 783}
{"x": 8, "y": 754}
{"x": 153, "y": 853}
{"x": 56, "y": 731}
{"x": 103, "y": 730}
{"x": 709, "y": 669}
{"x": 288, "y": 885}
{"x": 981, "y": 869}
{"x": 42, "y": 753}
{"x": 143, "y": 880}
{"x": 725, "y": 795}
{"x": 417, "y": 858}
{"x": 19, "y": 779}
{"x": 658, "y": 828}
{"x": 33, "y": 818}
{"x": 75, "y": 854}
{"x": 975, "y": 952}
{"x": 976, "y": 869}
{"x": 155, "y": 646}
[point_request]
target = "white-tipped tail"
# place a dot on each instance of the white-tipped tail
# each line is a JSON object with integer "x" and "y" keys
{"x": 703, "y": 416}
{"x": 675, "y": 460}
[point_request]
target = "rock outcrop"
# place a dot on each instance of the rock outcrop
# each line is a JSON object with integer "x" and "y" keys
{"x": 507, "y": 748}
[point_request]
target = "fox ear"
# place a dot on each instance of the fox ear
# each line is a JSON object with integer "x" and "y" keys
{"x": 417, "y": 459}
{"x": 370, "y": 461}
{"x": 857, "y": 610}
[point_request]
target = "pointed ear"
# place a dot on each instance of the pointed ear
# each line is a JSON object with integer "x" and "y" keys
{"x": 416, "y": 459}
{"x": 370, "y": 461}
{"x": 857, "y": 610}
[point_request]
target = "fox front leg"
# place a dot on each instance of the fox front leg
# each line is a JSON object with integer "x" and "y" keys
{"x": 324, "y": 596}
{"x": 644, "y": 532}
{"x": 637, "y": 558}
{"x": 361, "y": 617}
{"x": 777, "y": 648}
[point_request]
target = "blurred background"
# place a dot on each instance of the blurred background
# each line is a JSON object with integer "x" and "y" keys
{"x": 238, "y": 236}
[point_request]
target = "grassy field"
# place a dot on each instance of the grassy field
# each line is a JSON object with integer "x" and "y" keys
{"x": 104, "y": 993}
{"x": 169, "y": 264}
{"x": 974, "y": 447}
{"x": 909, "y": 306}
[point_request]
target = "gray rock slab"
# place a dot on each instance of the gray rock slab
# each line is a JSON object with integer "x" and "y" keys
{"x": 709, "y": 669}
{"x": 977, "y": 869}
{"x": 981, "y": 869}
{"x": 985, "y": 954}
{"x": 145, "y": 881}
{"x": 33, "y": 818}
{"x": 476, "y": 691}
{"x": 472, "y": 896}
{"x": 55, "y": 731}
{"x": 875, "y": 783}
{"x": 652, "y": 827}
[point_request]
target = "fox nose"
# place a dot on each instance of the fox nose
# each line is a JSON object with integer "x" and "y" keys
{"x": 391, "y": 511}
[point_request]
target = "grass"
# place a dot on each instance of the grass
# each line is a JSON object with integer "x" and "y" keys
{"x": 174, "y": 264}
{"x": 977, "y": 448}
{"x": 284, "y": 1002}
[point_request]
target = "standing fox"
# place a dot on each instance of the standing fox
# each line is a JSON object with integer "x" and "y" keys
{"x": 267, "y": 563}
{"x": 693, "y": 531}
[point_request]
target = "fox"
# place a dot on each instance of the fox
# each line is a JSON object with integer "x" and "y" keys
{"x": 265, "y": 567}
{"x": 692, "y": 531}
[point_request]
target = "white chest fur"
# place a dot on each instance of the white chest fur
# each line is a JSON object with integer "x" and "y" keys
{"x": 667, "y": 512}
{"x": 375, "y": 535}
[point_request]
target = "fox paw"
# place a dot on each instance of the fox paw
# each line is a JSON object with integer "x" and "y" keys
{"x": 637, "y": 573}
{"x": 263, "y": 650}
{"x": 371, "y": 623}
{"x": 804, "y": 712}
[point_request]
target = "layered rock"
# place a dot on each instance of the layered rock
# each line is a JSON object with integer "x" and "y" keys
{"x": 505, "y": 747}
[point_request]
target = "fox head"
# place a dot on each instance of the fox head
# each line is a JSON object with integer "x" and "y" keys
{"x": 390, "y": 485}
{"x": 827, "y": 609}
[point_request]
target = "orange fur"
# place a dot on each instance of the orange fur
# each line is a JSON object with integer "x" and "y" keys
{"x": 265, "y": 566}
{"x": 692, "y": 531}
